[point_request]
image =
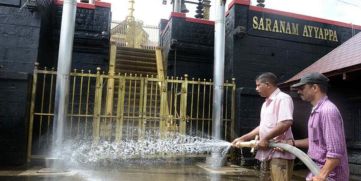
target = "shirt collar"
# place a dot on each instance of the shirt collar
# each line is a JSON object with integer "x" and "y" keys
{"x": 273, "y": 95}
{"x": 319, "y": 103}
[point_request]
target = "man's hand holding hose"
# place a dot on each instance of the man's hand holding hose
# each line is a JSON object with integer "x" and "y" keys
{"x": 286, "y": 145}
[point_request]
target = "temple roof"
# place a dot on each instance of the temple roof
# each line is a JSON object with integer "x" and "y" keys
{"x": 343, "y": 59}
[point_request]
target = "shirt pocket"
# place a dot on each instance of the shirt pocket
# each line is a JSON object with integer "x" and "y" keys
{"x": 270, "y": 120}
{"x": 314, "y": 134}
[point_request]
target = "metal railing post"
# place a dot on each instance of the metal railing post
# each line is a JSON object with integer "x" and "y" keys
{"x": 183, "y": 105}
{"x": 32, "y": 108}
{"x": 233, "y": 110}
{"x": 163, "y": 107}
{"x": 160, "y": 66}
{"x": 110, "y": 90}
{"x": 97, "y": 106}
{"x": 120, "y": 110}
{"x": 142, "y": 107}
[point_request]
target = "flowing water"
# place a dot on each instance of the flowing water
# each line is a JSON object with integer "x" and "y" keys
{"x": 152, "y": 147}
{"x": 173, "y": 157}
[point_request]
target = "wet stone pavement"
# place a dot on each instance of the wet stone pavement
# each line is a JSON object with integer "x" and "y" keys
{"x": 166, "y": 169}
{"x": 164, "y": 172}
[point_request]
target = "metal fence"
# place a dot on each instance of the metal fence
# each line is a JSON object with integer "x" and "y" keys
{"x": 124, "y": 107}
{"x": 135, "y": 35}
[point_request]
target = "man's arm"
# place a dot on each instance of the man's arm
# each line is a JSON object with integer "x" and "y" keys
{"x": 281, "y": 127}
{"x": 334, "y": 137}
{"x": 303, "y": 143}
{"x": 247, "y": 136}
{"x": 331, "y": 163}
{"x": 250, "y": 135}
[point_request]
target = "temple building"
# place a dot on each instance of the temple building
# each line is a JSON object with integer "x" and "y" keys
{"x": 165, "y": 81}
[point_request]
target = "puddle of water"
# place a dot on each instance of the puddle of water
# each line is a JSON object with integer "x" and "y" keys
{"x": 151, "y": 158}
{"x": 173, "y": 172}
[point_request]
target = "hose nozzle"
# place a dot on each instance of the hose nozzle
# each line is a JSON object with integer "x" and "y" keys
{"x": 249, "y": 144}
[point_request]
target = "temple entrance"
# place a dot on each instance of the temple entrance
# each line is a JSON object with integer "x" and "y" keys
{"x": 125, "y": 107}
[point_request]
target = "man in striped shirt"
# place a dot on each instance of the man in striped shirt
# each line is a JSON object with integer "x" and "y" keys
{"x": 326, "y": 138}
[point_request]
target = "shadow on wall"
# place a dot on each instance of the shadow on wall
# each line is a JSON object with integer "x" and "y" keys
{"x": 301, "y": 113}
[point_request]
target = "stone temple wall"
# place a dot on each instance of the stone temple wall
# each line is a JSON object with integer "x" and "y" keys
{"x": 30, "y": 35}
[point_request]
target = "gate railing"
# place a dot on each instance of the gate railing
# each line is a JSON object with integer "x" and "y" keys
{"x": 135, "y": 34}
{"x": 140, "y": 104}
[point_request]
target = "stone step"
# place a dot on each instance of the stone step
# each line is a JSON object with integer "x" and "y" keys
{"x": 136, "y": 52}
{"x": 121, "y": 57}
{"x": 122, "y": 68}
{"x": 135, "y": 62}
{"x": 133, "y": 72}
{"x": 128, "y": 49}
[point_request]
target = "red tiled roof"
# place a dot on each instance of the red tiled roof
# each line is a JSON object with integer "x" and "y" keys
{"x": 345, "y": 58}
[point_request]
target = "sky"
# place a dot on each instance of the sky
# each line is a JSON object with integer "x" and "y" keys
{"x": 151, "y": 11}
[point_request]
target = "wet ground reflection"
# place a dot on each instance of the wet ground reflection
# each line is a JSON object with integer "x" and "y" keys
{"x": 144, "y": 173}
